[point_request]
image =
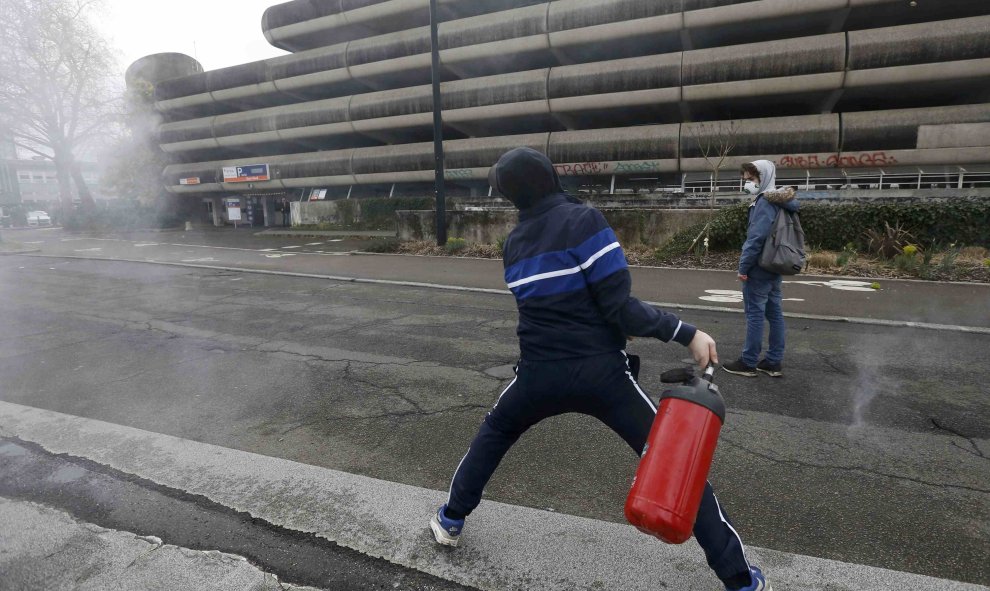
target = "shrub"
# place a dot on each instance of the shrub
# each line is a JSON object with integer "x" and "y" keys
{"x": 949, "y": 259}
{"x": 379, "y": 214}
{"x": 822, "y": 260}
{"x": 973, "y": 253}
{"x": 962, "y": 221}
{"x": 500, "y": 244}
{"x": 386, "y": 245}
{"x": 121, "y": 216}
{"x": 679, "y": 243}
{"x": 455, "y": 245}
{"x": 847, "y": 255}
{"x": 906, "y": 263}
{"x": 887, "y": 243}
{"x": 833, "y": 226}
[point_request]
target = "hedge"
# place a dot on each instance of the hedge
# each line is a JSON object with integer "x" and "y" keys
{"x": 964, "y": 222}
{"x": 380, "y": 213}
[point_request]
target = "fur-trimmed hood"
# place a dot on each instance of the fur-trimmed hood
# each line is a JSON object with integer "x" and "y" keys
{"x": 780, "y": 196}
{"x": 784, "y": 197}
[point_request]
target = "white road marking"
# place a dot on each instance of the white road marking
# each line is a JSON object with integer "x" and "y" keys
{"x": 727, "y": 296}
{"x": 87, "y": 249}
{"x": 840, "y": 284}
{"x": 139, "y": 245}
{"x": 203, "y": 260}
{"x": 313, "y": 243}
{"x": 291, "y": 247}
{"x": 279, "y": 255}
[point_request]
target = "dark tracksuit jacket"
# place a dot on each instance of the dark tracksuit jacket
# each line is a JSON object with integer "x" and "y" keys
{"x": 572, "y": 286}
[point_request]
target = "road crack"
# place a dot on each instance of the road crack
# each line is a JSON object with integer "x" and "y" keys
{"x": 976, "y": 451}
{"x": 861, "y": 469}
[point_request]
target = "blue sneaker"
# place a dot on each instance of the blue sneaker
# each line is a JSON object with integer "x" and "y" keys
{"x": 759, "y": 581}
{"x": 447, "y": 531}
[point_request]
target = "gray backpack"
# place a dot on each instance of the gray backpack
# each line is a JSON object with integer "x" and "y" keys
{"x": 783, "y": 252}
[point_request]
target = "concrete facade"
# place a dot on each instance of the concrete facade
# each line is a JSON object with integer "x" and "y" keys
{"x": 615, "y": 92}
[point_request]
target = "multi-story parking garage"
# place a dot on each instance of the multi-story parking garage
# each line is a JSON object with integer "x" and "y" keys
{"x": 619, "y": 93}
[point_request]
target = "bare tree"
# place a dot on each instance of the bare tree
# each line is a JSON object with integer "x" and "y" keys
{"x": 56, "y": 84}
{"x": 715, "y": 141}
{"x": 134, "y": 160}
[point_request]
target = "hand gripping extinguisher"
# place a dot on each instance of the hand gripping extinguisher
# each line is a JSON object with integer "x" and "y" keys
{"x": 673, "y": 469}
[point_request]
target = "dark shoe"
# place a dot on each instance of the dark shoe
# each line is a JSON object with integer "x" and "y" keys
{"x": 774, "y": 370}
{"x": 740, "y": 369}
{"x": 759, "y": 581}
{"x": 447, "y": 531}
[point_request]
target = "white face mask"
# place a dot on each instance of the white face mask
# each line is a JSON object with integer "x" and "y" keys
{"x": 751, "y": 187}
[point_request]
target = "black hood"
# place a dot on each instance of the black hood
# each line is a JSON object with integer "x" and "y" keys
{"x": 524, "y": 176}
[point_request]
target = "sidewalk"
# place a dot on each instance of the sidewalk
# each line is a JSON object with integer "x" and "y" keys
{"x": 328, "y": 233}
{"x": 41, "y": 548}
{"x": 506, "y": 547}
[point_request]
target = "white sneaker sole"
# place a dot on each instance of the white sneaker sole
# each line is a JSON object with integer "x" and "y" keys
{"x": 741, "y": 373}
{"x": 772, "y": 374}
{"x": 442, "y": 537}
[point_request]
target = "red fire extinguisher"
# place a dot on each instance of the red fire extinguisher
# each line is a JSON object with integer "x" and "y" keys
{"x": 673, "y": 469}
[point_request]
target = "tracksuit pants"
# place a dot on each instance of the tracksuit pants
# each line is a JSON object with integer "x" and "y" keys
{"x": 604, "y": 387}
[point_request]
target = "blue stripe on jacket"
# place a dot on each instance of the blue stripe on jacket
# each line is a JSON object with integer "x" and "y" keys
{"x": 569, "y": 270}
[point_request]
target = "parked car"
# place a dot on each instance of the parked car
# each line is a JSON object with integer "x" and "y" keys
{"x": 38, "y": 218}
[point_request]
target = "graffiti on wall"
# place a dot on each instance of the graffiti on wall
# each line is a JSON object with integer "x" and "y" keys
{"x": 603, "y": 168}
{"x": 458, "y": 173}
{"x": 837, "y": 160}
{"x": 583, "y": 168}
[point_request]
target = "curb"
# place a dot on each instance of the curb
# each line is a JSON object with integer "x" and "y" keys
{"x": 328, "y": 233}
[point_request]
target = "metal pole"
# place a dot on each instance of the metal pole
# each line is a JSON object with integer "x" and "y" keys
{"x": 438, "y": 180}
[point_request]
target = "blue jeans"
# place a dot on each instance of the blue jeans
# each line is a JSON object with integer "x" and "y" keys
{"x": 762, "y": 299}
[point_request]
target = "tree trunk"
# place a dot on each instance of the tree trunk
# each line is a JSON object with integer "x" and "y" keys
{"x": 85, "y": 197}
{"x": 63, "y": 174}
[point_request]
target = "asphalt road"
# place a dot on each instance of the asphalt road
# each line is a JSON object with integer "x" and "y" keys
{"x": 965, "y": 306}
{"x": 873, "y": 449}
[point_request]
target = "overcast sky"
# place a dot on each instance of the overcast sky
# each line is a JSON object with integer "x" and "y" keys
{"x": 218, "y": 33}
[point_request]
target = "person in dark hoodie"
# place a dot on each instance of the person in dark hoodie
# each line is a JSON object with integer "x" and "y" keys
{"x": 568, "y": 273}
{"x": 762, "y": 295}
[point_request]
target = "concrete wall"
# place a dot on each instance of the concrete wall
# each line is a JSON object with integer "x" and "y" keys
{"x": 632, "y": 226}
{"x": 476, "y": 227}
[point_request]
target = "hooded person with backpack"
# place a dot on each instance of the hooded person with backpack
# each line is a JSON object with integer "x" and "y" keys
{"x": 572, "y": 286}
{"x": 762, "y": 295}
